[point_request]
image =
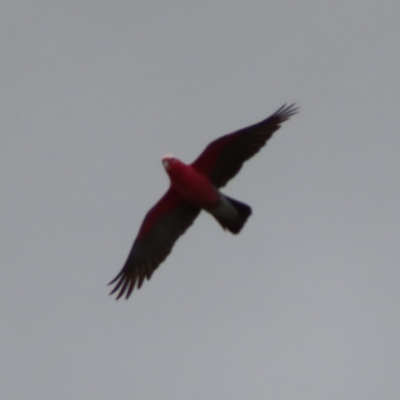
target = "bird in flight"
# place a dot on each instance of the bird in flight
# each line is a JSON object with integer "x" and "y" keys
{"x": 195, "y": 187}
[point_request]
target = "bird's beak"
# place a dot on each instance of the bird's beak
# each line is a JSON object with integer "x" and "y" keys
{"x": 166, "y": 164}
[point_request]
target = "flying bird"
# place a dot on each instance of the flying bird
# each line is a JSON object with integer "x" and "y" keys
{"x": 195, "y": 187}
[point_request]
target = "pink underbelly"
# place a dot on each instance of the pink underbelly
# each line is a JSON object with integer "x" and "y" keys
{"x": 198, "y": 191}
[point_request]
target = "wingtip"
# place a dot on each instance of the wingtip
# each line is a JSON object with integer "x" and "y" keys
{"x": 124, "y": 285}
{"x": 286, "y": 111}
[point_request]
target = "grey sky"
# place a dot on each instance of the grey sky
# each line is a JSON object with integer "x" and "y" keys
{"x": 304, "y": 303}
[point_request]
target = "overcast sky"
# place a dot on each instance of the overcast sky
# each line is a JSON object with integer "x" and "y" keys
{"x": 304, "y": 303}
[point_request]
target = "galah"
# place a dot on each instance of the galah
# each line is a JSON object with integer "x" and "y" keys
{"x": 195, "y": 187}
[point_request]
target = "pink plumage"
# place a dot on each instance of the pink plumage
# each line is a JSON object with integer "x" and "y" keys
{"x": 193, "y": 188}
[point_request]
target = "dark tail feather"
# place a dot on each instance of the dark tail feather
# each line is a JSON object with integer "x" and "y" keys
{"x": 232, "y": 219}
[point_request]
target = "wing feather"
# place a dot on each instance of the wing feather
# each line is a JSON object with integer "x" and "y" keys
{"x": 223, "y": 158}
{"x": 162, "y": 226}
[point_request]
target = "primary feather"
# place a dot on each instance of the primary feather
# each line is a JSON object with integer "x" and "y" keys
{"x": 223, "y": 158}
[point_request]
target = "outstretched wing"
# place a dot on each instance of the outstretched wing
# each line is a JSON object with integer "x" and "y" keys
{"x": 223, "y": 158}
{"x": 162, "y": 226}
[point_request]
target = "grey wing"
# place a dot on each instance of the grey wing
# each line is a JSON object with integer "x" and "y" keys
{"x": 161, "y": 228}
{"x": 223, "y": 158}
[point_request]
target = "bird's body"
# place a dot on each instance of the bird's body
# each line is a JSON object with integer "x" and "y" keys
{"x": 195, "y": 187}
{"x": 192, "y": 185}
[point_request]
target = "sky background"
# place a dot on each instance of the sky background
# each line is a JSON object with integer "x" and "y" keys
{"x": 304, "y": 303}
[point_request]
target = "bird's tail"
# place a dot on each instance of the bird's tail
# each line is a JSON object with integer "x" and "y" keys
{"x": 231, "y": 214}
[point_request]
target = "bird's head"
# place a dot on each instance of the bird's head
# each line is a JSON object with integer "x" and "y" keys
{"x": 168, "y": 160}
